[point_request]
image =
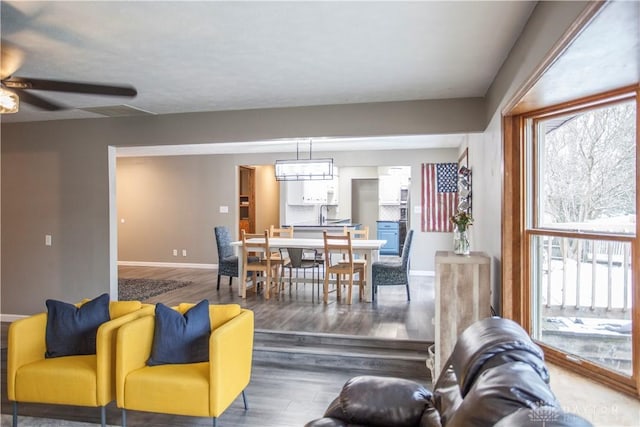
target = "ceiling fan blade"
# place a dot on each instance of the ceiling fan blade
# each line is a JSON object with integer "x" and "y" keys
{"x": 38, "y": 101}
{"x": 74, "y": 87}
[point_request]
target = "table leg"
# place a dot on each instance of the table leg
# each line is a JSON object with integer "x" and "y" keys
{"x": 241, "y": 286}
{"x": 372, "y": 256}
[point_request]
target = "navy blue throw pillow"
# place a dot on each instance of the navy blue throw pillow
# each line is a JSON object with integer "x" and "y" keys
{"x": 72, "y": 330}
{"x": 179, "y": 338}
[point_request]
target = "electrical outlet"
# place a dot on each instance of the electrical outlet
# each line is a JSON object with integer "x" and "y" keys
{"x": 184, "y": 252}
{"x": 47, "y": 239}
{"x": 175, "y": 252}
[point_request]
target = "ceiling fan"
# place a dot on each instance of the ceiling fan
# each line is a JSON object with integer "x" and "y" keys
{"x": 16, "y": 89}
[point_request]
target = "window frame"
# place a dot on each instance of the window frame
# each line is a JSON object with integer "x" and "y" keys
{"x": 520, "y": 226}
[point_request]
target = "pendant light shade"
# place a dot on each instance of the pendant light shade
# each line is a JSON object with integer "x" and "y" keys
{"x": 304, "y": 169}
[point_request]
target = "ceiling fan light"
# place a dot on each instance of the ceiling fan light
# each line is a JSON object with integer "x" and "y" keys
{"x": 9, "y": 102}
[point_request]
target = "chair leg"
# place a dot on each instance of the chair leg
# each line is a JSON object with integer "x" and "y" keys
{"x": 124, "y": 417}
{"x": 218, "y": 287}
{"x": 243, "y": 284}
{"x": 215, "y": 421}
{"x": 15, "y": 414}
{"x": 326, "y": 288}
{"x": 408, "y": 293}
{"x": 244, "y": 399}
{"x": 103, "y": 416}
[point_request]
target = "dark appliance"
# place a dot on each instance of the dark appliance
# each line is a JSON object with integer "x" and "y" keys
{"x": 402, "y": 233}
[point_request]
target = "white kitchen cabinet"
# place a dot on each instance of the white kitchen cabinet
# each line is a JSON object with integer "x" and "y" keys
{"x": 389, "y": 189}
{"x": 306, "y": 192}
{"x": 315, "y": 192}
{"x": 333, "y": 191}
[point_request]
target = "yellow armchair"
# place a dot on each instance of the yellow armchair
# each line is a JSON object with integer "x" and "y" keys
{"x": 204, "y": 389}
{"x": 86, "y": 380}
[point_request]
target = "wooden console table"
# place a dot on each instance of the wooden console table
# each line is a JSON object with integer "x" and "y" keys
{"x": 463, "y": 295}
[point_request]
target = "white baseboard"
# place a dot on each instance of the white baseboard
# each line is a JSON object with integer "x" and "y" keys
{"x": 422, "y": 273}
{"x": 11, "y": 317}
{"x": 166, "y": 264}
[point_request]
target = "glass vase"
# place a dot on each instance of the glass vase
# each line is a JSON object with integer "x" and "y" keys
{"x": 461, "y": 242}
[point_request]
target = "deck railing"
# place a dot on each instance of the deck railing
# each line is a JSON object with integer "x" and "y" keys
{"x": 586, "y": 273}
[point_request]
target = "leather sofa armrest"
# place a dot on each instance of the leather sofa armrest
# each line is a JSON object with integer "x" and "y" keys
{"x": 327, "y": 422}
{"x": 26, "y": 344}
{"x": 230, "y": 359}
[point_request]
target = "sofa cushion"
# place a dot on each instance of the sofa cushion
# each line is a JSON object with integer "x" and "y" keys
{"x": 181, "y": 338}
{"x": 120, "y": 308}
{"x": 71, "y": 330}
{"x": 47, "y": 381}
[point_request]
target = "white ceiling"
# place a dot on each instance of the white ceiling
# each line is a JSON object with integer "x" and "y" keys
{"x": 210, "y": 56}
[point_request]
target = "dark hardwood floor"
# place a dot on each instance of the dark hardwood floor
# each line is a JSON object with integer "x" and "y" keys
{"x": 391, "y": 316}
{"x": 279, "y": 396}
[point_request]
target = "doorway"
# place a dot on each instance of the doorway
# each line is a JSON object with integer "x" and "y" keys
{"x": 247, "y": 197}
{"x": 364, "y": 202}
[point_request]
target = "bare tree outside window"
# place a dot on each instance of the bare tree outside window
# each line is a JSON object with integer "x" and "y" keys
{"x": 589, "y": 168}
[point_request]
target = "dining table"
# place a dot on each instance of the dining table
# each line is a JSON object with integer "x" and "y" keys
{"x": 368, "y": 247}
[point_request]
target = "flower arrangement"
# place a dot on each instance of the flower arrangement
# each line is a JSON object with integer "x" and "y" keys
{"x": 462, "y": 220}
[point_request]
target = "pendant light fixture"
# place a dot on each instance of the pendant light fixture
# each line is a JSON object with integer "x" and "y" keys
{"x": 304, "y": 169}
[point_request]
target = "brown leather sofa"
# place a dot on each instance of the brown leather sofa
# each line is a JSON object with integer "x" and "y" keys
{"x": 495, "y": 376}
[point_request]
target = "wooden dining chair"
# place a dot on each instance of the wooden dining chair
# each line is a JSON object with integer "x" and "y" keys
{"x": 277, "y": 256}
{"x": 358, "y": 234}
{"x": 339, "y": 261}
{"x": 260, "y": 262}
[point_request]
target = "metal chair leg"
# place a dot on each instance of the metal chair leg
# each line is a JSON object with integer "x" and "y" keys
{"x": 244, "y": 399}
{"x": 15, "y": 414}
{"x": 218, "y": 287}
{"x": 215, "y": 421}
{"x": 124, "y": 417}
{"x": 103, "y": 416}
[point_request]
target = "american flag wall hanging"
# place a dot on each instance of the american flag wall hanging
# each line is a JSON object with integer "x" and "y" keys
{"x": 439, "y": 196}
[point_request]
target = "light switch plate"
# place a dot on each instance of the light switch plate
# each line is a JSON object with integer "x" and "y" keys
{"x": 224, "y": 209}
{"x": 47, "y": 239}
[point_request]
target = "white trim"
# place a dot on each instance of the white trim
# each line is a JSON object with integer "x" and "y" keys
{"x": 422, "y": 273}
{"x": 11, "y": 317}
{"x": 167, "y": 264}
{"x": 113, "y": 224}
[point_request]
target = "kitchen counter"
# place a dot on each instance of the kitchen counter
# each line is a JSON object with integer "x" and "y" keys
{"x": 331, "y": 223}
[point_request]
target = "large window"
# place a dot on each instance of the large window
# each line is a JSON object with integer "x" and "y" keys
{"x": 580, "y": 224}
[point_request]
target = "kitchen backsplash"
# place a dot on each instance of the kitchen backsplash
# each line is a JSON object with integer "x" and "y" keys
{"x": 388, "y": 212}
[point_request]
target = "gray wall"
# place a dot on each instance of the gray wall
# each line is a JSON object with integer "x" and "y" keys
{"x": 173, "y": 202}
{"x": 547, "y": 24}
{"x": 55, "y": 175}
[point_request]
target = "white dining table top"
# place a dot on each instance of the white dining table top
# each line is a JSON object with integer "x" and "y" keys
{"x": 305, "y": 243}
